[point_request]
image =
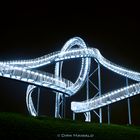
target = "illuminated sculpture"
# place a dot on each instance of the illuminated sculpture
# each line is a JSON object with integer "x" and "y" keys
{"x": 23, "y": 70}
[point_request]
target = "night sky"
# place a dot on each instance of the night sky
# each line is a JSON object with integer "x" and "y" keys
{"x": 29, "y": 30}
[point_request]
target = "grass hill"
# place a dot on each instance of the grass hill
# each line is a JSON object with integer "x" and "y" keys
{"x": 25, "y": 127}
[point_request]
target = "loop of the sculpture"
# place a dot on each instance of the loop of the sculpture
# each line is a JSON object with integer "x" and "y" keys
{"x": 85, "y": 66}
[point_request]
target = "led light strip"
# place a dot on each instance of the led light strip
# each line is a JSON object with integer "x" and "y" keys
{"x": 106, "y": 99}
{"x": 22, "y": 70}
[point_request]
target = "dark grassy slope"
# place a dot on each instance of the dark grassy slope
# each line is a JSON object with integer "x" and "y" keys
{"x": 21, "y": 127}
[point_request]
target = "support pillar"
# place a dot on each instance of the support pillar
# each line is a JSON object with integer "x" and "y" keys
{"x": 60, "y": 105}
{"x": 129, "y": 111}
{"x": 99, "y": 85}
{"x": 63, "y": 107}
{"x": 87, "y": 88}
{"x": 108, "y": 114}
{"x": 57, "y": 100}
{"x": 128, "y": 104}
{"x": 73, "y": 116}
{"x": 98, "y": 88}
{"x": 38, "y": 97}
{"x": 87, "y": 114}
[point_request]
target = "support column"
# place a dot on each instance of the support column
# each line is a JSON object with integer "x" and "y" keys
{"x": 57, "y": 100}
{"x": 99, "y": 85}
{"x": 58, "y": 95}
{"x": 128, "y": 104}
{"x": 73, "y": 116}
{"x": 129, "y": 111}
{"x": 108, "y": 114}
{"x": 87, "y": 88}
{"x": 60, "y": 105}
{"x": 87, "y": 114}
{"x": 38, "y": 97}
{"x": 63, "y": 106}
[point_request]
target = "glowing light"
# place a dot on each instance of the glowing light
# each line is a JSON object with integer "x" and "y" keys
{"x": 23, "y": 70}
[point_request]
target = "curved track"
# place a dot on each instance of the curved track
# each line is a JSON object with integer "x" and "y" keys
{"x": 24, "y": 71}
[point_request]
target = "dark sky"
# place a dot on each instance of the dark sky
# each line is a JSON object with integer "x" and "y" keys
{"x": 29, "y": 30}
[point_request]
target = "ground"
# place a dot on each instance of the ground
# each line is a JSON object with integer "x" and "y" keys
{"x": 19, "y": 126}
